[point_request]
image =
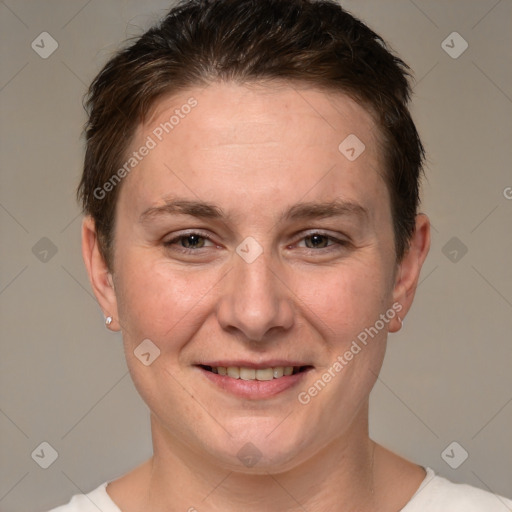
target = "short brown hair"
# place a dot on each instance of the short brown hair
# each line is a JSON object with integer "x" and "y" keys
{"x": 201, "y": 41}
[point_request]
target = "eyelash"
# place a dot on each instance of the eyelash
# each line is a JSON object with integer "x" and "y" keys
{"x": 170, "y": 243}
{"x": 330, "y": 238}
{"x": 335, "y": 241}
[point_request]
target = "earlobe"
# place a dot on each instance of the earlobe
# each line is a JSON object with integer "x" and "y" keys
{"x": 409, "y": 269}
{"x": 99, "y": 274}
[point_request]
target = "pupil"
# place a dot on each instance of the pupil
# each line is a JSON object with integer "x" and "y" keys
{"x": 192, "y": 241}
{"x": 318, "y": 240}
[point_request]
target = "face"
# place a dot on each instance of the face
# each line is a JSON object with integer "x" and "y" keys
{"x": 247, "y": 237}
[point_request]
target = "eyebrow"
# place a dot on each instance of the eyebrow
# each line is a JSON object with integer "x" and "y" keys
{"x": 315, "y": 210}
{"x": 300, "y": 211}
{"x": 183, "y": 207}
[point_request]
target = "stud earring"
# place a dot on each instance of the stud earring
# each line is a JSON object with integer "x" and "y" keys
{"x": 108, "y": 321}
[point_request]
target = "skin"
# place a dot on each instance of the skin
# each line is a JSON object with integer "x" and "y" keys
{"x": 255, "y": 151}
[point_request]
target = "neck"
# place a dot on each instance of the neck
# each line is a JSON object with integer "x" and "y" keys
{"x": 341, "y": 472}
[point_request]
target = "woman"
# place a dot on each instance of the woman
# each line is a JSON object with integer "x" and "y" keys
{"x": 251, "y": 196}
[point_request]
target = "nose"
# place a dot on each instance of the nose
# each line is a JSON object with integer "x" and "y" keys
{"x": 255, "y": 300}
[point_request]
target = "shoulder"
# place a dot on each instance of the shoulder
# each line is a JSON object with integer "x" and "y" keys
{"x": 437, "y": 494}
{"x": 91, "y": 502}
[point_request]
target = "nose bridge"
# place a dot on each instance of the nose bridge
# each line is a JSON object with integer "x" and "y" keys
{"x": 254, "y": 301}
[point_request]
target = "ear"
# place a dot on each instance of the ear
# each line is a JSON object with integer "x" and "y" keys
{"x": 408, "y": 271}
{"x": 99, "y": 274}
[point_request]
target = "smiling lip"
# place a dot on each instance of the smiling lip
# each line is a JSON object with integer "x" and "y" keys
{"x": 254, "y": 389}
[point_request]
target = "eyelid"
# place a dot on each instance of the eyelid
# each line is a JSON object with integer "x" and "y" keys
{"x": 339, "y": 237}
{"x": 335, "y": 243}
{"x": 340, "y": 240}
{"x": 182, "y": 234}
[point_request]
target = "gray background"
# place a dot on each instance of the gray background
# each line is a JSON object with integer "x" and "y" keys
{"x": 63, "y": 377}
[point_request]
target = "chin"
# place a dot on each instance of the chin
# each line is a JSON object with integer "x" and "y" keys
{"x": 257, "y": 449}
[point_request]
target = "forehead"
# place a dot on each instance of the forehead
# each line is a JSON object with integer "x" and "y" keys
{"x": 258, "y": 140}
{"x": 253, "y": 113}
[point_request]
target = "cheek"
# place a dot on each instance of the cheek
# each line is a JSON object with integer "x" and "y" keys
{"x": 161, "y": 303}
{"x": 345, "y": 300}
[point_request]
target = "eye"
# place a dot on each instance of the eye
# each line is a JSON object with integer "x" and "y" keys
{"x": 320, "y": 241}
{"x": 189, "y": 241}
{"x": 192, "y": 241}
{"x": 317, "y": 241}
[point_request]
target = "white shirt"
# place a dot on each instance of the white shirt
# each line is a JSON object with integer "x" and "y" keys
{"x": 435, "y": 494}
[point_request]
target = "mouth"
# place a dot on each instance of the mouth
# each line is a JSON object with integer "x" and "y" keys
{"x": 254, "y": 382}
{"x": 260, "y": 374}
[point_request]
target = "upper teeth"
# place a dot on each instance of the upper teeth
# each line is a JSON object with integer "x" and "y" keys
{"x": 237, "y": 372}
